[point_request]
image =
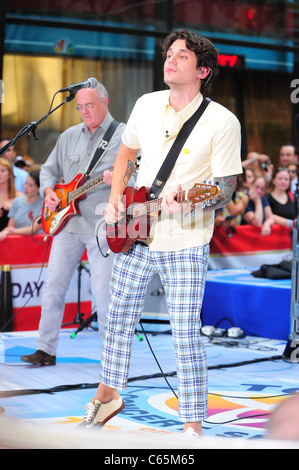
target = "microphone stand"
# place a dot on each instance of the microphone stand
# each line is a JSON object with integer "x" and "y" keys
{"x": 291, "y": 352}
{"x": 78, "y": 319}
{"x": 31, "y": 128}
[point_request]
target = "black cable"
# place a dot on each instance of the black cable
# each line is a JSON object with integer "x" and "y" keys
{"x": 157, "y": 360}
{"x": 223, "y": 319}
{"x": 238, "y": 419}
{"x": 63, "y": 388}
{"x": 98, "y": 243}
{"x": 32, "y": 234}
{"x": 263, "y": 397}
{"x": 244, "y": 363}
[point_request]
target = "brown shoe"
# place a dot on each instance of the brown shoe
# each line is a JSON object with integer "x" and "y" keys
{"x": 40, "y": 358}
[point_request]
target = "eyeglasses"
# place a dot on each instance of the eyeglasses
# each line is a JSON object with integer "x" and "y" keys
{"x": 88, "y": 107}
{"x": 283, "y": 168}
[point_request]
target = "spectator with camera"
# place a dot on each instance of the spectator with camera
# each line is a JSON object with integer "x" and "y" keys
{"x": 260, "y": 163}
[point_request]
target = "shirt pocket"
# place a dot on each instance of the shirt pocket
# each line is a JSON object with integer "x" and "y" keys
{"x": 71, "y": 164}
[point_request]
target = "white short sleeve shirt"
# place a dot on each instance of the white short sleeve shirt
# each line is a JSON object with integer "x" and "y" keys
{"x": 211, "y": 150}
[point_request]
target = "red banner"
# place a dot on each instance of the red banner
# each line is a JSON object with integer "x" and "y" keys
{"x": 28, "y": 260}
{"x": 246, "y": 247}
{"x": 248, "y": 238}
{"x": 18, "y": 250}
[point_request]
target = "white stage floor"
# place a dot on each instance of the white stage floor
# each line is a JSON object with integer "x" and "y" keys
{"x": 42, "y": 406}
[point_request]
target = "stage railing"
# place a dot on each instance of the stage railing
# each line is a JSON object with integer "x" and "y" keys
{"x": 28, "y": 261}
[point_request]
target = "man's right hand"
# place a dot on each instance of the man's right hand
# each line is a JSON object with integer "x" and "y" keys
{"x": 114, "y": 211}
{"x": 51, "y": 199}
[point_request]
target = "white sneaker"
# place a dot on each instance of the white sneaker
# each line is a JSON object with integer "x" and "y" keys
{"x": 190, "y": 434}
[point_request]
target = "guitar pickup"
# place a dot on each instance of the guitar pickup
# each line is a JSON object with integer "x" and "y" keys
{"x": 112, "y": 230}
{"x": 46, "y": 212}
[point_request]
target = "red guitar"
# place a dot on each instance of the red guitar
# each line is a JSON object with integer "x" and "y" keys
{"x": 69, "y": 197}
{"x": 136, "y": 223}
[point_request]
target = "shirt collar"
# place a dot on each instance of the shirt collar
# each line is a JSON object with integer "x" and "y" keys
{"x": 190, "y": 109}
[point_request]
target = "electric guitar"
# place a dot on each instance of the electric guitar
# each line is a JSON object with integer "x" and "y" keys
{"x": 69, "y": 197}
{"x": 137, "y": 220}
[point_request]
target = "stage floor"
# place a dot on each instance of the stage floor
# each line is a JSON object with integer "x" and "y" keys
{"x": 42, "y": 406}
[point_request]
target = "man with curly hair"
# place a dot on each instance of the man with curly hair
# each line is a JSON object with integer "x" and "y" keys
{"x": 178, "y": 244}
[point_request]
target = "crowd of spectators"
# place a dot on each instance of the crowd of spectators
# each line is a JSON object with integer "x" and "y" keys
{"x": 265, "y": 194}
{"x": 20, "y": 201}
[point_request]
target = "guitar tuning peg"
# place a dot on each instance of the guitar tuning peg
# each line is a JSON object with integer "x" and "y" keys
{"x": 204, "y": 181}
{"x": 214, "y": 200}
{"x": 208, "y": 202}
{"x": 202, "y": 205}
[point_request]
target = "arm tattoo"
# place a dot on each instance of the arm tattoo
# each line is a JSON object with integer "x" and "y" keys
{"x": 227, "y": 186}
{"x": 129, "y": 172}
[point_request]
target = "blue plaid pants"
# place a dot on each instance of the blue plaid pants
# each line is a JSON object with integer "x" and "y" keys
{"x": 183, "y": 276}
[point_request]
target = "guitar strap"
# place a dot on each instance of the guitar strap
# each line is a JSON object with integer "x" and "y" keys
{"x": 102, "y": 147}
{"x": 173, "y": 153}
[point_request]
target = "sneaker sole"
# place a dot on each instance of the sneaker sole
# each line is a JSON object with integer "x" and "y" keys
{"x": 39, "y": 363}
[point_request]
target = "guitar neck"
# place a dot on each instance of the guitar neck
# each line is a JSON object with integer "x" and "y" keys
{"x": 148, "y": 207}
{"x": 87, "y": 186}
{"x": 155, "y": 204}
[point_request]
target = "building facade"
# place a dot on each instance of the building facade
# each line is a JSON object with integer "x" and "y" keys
{"x": 48, "y": 44}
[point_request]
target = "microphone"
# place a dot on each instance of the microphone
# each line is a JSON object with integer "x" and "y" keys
{"x": 90, "y": 83}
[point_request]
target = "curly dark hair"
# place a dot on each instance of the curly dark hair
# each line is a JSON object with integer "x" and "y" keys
{"x": 204, "y": 49}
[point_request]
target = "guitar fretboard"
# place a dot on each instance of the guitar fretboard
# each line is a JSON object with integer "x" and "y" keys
{"x": 87, "y": 186}
{"x": 147, "y": 207}
{"x": 196, "y": 194}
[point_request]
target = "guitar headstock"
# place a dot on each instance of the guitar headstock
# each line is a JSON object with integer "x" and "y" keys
{"x": 203, "y": 192}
